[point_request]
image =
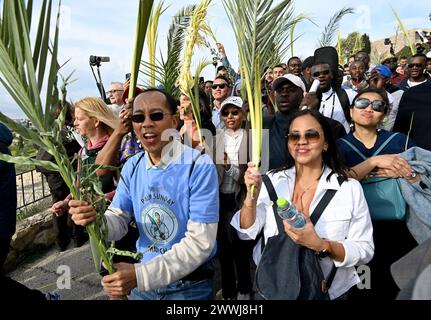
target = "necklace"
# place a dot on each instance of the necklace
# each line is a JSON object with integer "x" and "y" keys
{"x": 333, "y": 105}
{"x": 314, "y": 184}
{"x": 310, "y": 187}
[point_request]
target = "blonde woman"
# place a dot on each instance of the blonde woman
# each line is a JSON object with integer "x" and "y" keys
{"x": 95, "y": 122}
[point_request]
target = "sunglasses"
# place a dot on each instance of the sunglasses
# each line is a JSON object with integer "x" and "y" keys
{"x": 113, "y": 91}
{"x": 227, "y": 113}
{"x": 312, "y": 136}
{"x": 221, "y": 86}
{"x": 155, "y": 116}
{"x": 377, "y": 105}
{"x": 417, "y": 65}
{"x": 321, "y": 73}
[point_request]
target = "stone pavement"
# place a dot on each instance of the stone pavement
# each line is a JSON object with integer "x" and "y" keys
{"x": 51, "y": 267}
{"x": 44, "y": 271}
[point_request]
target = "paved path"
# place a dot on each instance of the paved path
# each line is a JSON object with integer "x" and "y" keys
{"x": 44, "y": 272}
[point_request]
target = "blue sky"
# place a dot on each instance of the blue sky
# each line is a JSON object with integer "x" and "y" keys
{"x": 106, "y": 28}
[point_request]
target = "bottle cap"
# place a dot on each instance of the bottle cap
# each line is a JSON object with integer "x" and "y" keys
{"x": 282, "y": 202}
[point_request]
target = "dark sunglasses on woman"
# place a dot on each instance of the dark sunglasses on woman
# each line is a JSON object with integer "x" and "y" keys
{"x": 221, "y": 86}
{"x": 377, "y": 105}
{"x": 311, "y": 136}
{"x": 155, "y": 116}
{"x": 226, "y": 113}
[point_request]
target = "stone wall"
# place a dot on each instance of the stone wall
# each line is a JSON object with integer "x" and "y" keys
{"x": 33, "y": 233}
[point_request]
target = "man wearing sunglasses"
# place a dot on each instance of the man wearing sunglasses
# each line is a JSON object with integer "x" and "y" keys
{"x": 335, "y": 101}
{"x": 416, "y": 67}
{"x": 115, "y": 96}
{"x": 391, "y": 63}
{"x": 221, "y": 89}
{"x": 172, "y": 192}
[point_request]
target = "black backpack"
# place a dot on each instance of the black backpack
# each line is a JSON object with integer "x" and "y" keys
{"x": 288, "y": 271}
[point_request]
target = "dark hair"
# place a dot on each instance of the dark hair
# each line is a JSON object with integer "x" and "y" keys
{"x": 225, "y": 79}
{"x": 278, "y": 66}
{"x": 293, "y": 58}
{"x": 204, "y": 106}
{"x": 362, "y": 51}
{"x": 403, "y": 57}
{"x": 331, "y": 157}
{"x": 380, "y": 92}
{"x": 419, "y": 55}
{"x": 221, "y": 68}
{"x": 172, "y": 103}
{"x": 308, "y": 63}
{"x": 209, "y": 81}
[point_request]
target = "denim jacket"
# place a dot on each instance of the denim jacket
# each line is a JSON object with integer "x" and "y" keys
{"x": 418, "y": 195}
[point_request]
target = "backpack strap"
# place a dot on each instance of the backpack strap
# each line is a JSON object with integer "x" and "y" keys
{"x": 384, "y": 144}
{"x": 317, "y": 213}
{"x": 273, "y": 197}
{"x": 354, "y": 148}
{"x": 345, "y": 102}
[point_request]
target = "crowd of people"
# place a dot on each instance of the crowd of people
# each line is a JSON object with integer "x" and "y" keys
{"x": 188, "y": 199}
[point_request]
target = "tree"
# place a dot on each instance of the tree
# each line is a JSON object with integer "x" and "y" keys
{"x": 350, "y": 46}
{"x": 366, "y": 43}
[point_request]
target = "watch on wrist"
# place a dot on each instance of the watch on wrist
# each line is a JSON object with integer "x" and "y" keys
{"x": 323, "y": 253}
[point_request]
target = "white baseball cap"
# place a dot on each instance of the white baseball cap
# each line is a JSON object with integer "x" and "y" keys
{"x": 291, "y": 78}
{"x": 232, "y": 101}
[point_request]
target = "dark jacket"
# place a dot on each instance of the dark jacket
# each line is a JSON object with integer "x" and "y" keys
{"x": 404, "y": 85}
{"x": 7, "y": 187}
{"x": 415, "y": 112}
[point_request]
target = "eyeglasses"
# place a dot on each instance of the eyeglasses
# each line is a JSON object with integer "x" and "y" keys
{"x": 113, "y": 91}
{"x": 227, "y": 113}
{"x": 377, "y": 105}
{"x": 155, "y": 116}
{"x": 321, "y": 73}
{"x": 221, "y": 86}
{"x": 417, "y": 65}
{"x": 312, "y": 136}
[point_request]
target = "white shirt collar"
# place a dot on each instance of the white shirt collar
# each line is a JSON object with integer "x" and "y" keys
{"x": 170, "y": 153}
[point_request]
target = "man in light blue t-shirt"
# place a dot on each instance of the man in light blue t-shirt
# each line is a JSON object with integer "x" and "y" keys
{"x": 172, "y": 192}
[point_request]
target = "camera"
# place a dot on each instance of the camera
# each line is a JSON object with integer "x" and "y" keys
{"x": 128, "y": 76}
{"x": 96, "y": 60}
{"x": 387, "y": 42}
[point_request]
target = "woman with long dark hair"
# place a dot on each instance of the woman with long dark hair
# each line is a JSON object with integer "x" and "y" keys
{"x": 343, "y": 234}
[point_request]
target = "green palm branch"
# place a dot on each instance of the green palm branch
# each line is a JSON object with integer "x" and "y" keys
{"x": 261, "y": 27}
{"x": 29, "y": 73}
{"x": 152, "y": 35}
{"x": 405, "y": 31}
{"x": 167, "y": 69}
{"x": 144, "y": 12}
{"x": 331, "y": 28}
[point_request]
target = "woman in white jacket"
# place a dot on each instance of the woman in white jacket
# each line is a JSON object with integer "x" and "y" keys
{"x": 344, "y": 235}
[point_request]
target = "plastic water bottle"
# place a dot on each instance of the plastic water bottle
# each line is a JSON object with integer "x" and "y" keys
{"x": 287, "y": 211}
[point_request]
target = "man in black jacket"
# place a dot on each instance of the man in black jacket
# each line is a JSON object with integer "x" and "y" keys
{"x": 414, "y": 115}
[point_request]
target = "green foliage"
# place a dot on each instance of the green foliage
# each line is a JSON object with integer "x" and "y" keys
{"x": 353, "y": 43}
{"x": 331, "y": 28}
{"x": 366, "y": 43}
{"x": 167, "y": 69}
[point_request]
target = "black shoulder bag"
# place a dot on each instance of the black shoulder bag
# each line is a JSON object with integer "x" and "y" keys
{"x": 288, "y": 271}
